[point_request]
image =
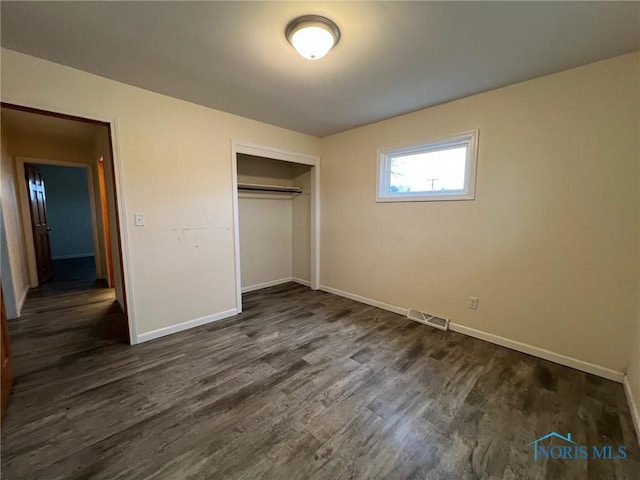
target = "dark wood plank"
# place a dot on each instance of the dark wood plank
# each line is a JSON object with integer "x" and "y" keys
{"x": 302, "y": 385}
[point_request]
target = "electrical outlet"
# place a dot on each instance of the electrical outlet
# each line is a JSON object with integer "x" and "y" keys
{"x": 473, "y": 303}
{"x": 139, "y": 219}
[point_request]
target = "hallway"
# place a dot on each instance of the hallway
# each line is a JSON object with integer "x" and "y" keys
{"x": 70, "y": 315}
{"x": 57, "y": 347}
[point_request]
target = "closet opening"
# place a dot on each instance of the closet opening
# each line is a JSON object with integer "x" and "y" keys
{"x": 276, "y": 214}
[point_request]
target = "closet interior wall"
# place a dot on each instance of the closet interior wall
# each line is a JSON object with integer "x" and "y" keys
{"x": 275, "y": 228}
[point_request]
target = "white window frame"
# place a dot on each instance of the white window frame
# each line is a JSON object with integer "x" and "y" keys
{"x": 468, "y": 139}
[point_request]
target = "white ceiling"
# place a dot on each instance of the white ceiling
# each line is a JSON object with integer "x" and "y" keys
{"x": 393, "y": 57}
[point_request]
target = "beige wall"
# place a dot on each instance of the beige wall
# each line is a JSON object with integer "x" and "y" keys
{"x": 633, "y": 372}
{"x": 265, "y": 238}
{"x": 549, "y": 245}
{"x": 175, "y": 168}
{"x": 12, "y": 225}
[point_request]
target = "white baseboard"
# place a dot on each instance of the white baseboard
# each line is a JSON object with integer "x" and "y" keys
{"x": 540, "y": 353}
{"x": 75, "y": 255}
{"x": 495, "y": 339}
{"x": 633, "y": 406}
{"x": 368, "y": 301}
{"x": 271, "y": 283}
{"x": 301, "y": 281}
{"x": 163, "y": 332}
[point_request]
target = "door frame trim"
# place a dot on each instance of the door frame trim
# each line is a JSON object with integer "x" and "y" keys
{"x": 118, "y": 184}
{"x": 27, "y": 223}
{"x": 258, "y": 150}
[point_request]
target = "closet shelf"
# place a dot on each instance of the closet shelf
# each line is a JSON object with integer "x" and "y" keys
{"x": 268, "y": 188}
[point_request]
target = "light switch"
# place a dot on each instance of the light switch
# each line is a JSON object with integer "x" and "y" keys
{"x": 139, "y": 219}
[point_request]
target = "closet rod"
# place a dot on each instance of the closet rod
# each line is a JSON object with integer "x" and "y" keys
{"x": 268, "y": 188}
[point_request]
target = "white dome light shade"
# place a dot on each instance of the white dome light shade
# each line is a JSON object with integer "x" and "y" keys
{"x": 312, "y": 36}
{"x": 312, "y": 42}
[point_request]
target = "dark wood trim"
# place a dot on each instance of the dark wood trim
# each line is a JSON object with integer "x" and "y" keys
{"x": 22, "y": 108}
{"x": 39, "y": 221}
{"x": 8, "y": 373}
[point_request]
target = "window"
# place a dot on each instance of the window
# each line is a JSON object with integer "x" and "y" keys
{"x": 440, "y": 170}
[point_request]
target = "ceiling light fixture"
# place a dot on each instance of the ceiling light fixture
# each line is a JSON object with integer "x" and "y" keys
{"x": 312, "y": 35}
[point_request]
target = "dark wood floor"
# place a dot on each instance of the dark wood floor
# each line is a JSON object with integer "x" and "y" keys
{"x": 302, "y": 385}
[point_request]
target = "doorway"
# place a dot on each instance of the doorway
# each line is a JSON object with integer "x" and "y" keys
{"x": 78, "y": 151}
{"x": 63, "y": 221}
{"x": 304, "y": 169}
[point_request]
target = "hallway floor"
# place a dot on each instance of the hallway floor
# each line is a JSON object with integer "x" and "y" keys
{"x": 67, "y": 315}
